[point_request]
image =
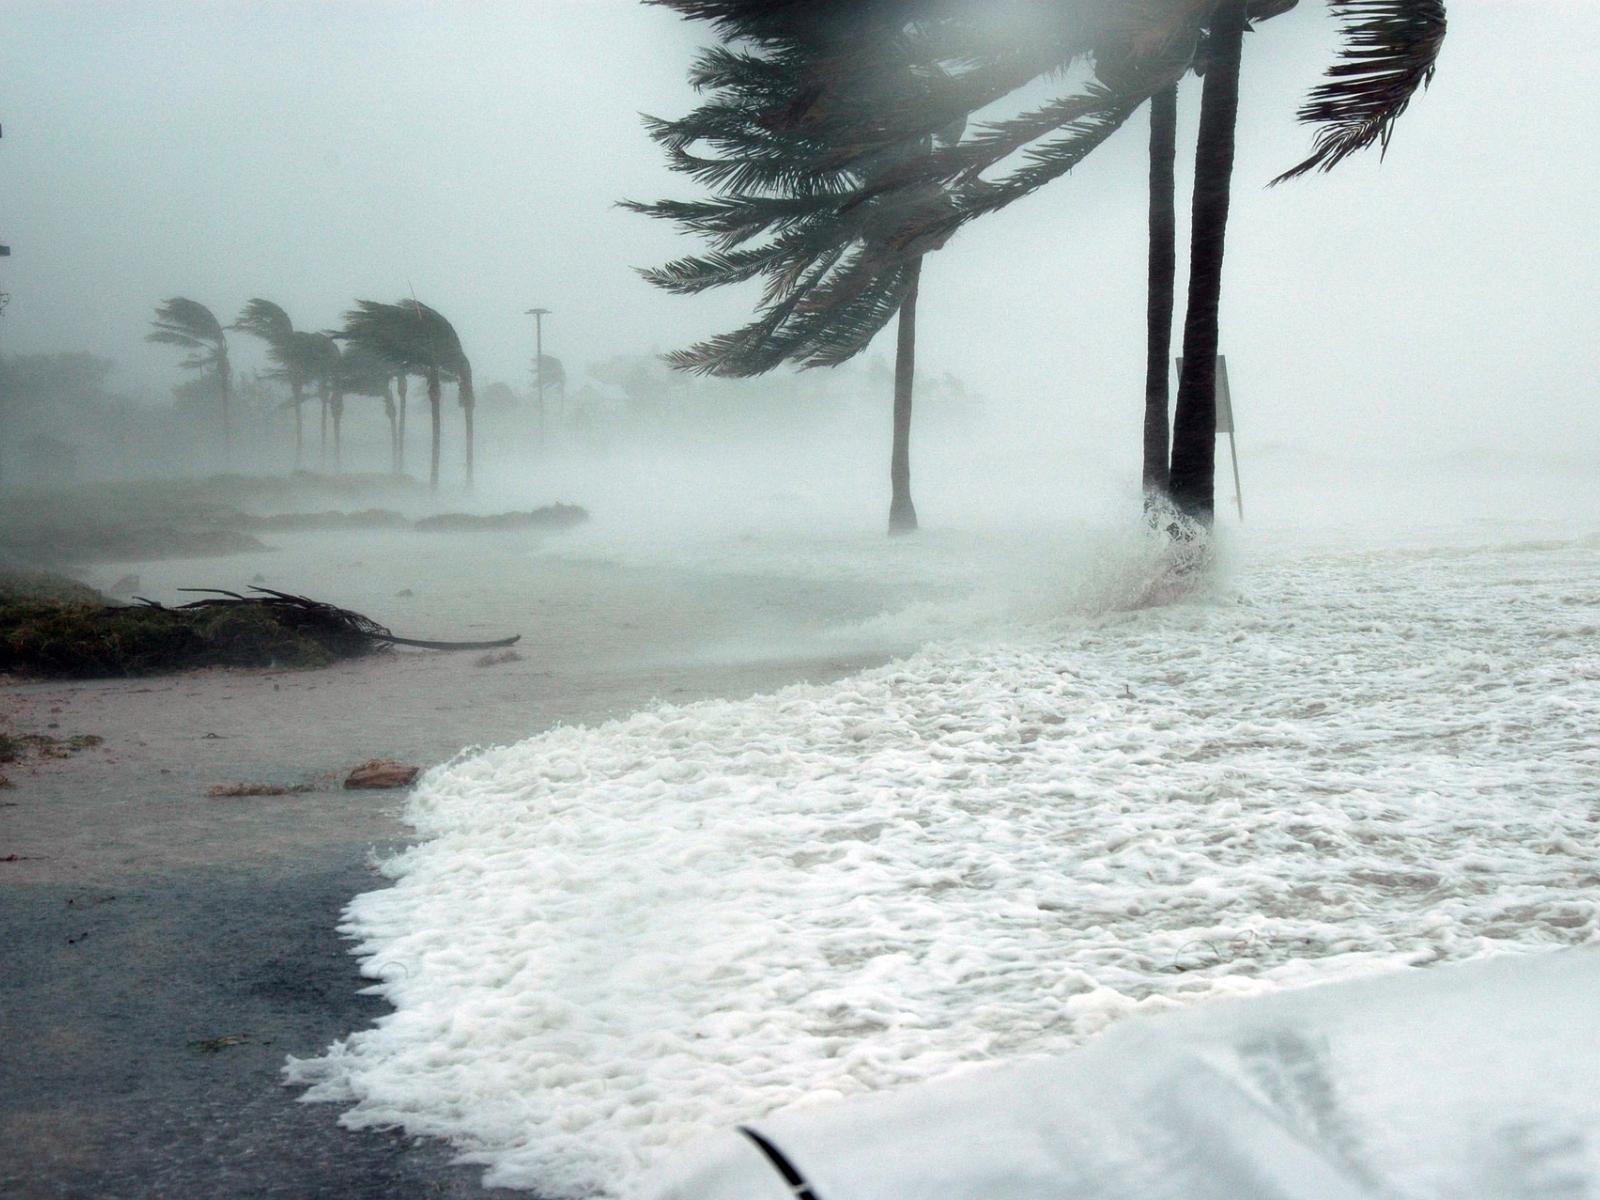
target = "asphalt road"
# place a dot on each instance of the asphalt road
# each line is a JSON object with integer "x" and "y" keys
{"x": 144, "y": 1027}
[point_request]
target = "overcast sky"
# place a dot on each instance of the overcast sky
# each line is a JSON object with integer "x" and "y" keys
{"x": 473, "y": 151}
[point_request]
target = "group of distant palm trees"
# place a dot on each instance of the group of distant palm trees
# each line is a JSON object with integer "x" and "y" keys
{"x": 379, "y": 348}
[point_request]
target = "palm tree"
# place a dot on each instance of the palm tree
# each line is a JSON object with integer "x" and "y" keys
{"x": 295, "y": 356}
{"x": 363, "y": 372}
{"x": 833, "y": 278}
{"x": 400, "y": 430}
{"x": 318, "y": 355}
{"x": 193, "y": 327}
{"x": 1390, "y": 48}
{"x": 1163, "y": 266}
{"x": 418, "y": 340}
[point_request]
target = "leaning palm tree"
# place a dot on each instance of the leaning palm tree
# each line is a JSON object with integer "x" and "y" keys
{"x": 193, "y": 327}
{"x": 364, "y": 372}
{"x": 318, "y": 356}
{"x": 294, "y": 356}
{"x": 1390, "y": 48}
{"x": 417, "y": 340}
{"x": 832, "y": 279}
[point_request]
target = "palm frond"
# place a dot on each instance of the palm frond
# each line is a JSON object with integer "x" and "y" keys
{"x": 1390, "y": 51}
{"x": 190, "y": 326}
{"x": 265, "y": 320}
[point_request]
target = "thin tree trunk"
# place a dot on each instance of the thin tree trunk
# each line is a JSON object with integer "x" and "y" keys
{"x": 467, "y": 414}
{"x": 394, "y": 433}
{"x": 435, "y": 392}
{"x": 336, "y": 407}
{"x": 226, "y": 382}
{"x": 297, "y": 394}
{"x": 469, "y": 401}
{"x": 400, "y": 446}
{"x": 1163, "y": 272}
{"x": 902, "y": 513}
{"x": 322, "y": 446}
{"x": 1194, "y": 432}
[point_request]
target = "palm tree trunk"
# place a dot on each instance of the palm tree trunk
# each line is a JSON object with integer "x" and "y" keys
{"x": 226, "y": 384}
{"x": 469, "y": 401}
{"x": 902, "y": 513}
{"x": 322, "y": 447}
{"x": 394, "y": 434}
{"x": 336, "y": 407}
{"x": 1194, "y": 432}
{"x": 298, "y": 396}
{"x": 400, "y": 444}
{"x": 1163, "y": 271}
{"x": 435, "y": 392}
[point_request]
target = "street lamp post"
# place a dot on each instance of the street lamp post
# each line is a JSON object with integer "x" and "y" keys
{"x": 538, "y": 315}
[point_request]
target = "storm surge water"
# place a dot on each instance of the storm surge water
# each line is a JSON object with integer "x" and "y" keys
{"x": 611, "y": 940}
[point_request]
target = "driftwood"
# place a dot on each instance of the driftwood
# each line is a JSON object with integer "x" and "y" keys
{"x": 303, "y": 613}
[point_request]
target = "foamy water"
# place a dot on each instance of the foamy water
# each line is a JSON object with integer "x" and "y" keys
{"x": 614, "y": 939}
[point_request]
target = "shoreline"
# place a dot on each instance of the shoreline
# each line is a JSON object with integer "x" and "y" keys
{"x": 152, "y": 925}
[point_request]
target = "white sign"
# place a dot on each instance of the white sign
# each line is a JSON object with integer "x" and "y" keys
{"x": 1224, "y": 396}
{"x": 1225, "y": 424}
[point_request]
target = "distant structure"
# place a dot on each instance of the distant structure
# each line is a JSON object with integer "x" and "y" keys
{"x": 538, "y": 315}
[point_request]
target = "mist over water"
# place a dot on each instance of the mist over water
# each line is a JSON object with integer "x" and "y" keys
{"x": 894, "y": 806}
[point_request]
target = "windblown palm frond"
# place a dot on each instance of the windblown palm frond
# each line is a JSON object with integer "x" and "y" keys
{"x": 320, "y": 353}
{"x": 265, "y": 320}
{"x": 362, "y": 371}
{"x": 408, "y": 334}
{"x": 1391, "y": 49}
{"x": 190, "y": 326}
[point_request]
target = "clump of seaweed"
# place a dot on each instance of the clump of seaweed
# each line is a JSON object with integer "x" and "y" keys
{"x": 270, "y": 629}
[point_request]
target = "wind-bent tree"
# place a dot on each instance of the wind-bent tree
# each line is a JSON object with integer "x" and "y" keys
{"x": 320, "y": 354}
{"x": 193, "y": 327}
{"x": 296, "y": 357}
{"x": 832, "y": 278}
{"x": 364, "y": 372}
{"x": 1390, "y": 49}
{"x": 417, "y": 340}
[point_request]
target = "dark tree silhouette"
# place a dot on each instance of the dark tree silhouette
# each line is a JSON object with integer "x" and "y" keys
{"x": 364, "y": 372}
{"x": 831, "y": 278}
{"x": 1162, "y": 286}
{"x": 1389, "y": 51}
{"x": 193, "y": 327}
{"x": 417, "y": 340}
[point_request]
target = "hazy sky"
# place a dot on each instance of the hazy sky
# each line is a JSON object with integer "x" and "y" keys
{"x": 473, "y": 151}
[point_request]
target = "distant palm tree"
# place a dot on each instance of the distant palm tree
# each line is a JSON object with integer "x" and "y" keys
{"x": 322, "y": 354}
{"x": 192, "y": 326}
{"x": 418, "y": 340}
{"x": 295, "y": 356}
{"x": 364, "y": 372}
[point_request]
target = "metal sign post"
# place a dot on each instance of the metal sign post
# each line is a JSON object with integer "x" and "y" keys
{"x": 538, "y": 315}
{"x": 1225, "y": 424}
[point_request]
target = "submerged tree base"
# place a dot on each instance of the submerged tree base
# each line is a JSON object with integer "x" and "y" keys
{"x": 902, "y": 519}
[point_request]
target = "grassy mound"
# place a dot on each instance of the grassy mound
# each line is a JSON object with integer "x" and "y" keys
{"x": 85, "y": 640}
{"x": 552, "y": 516}
{"x": 369, "y": 518}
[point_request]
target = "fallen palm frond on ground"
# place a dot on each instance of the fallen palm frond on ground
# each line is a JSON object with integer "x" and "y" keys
{"x": 271, "y": 629}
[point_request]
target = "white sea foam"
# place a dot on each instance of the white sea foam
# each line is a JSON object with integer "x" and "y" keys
{"x": 613, "y": 939}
